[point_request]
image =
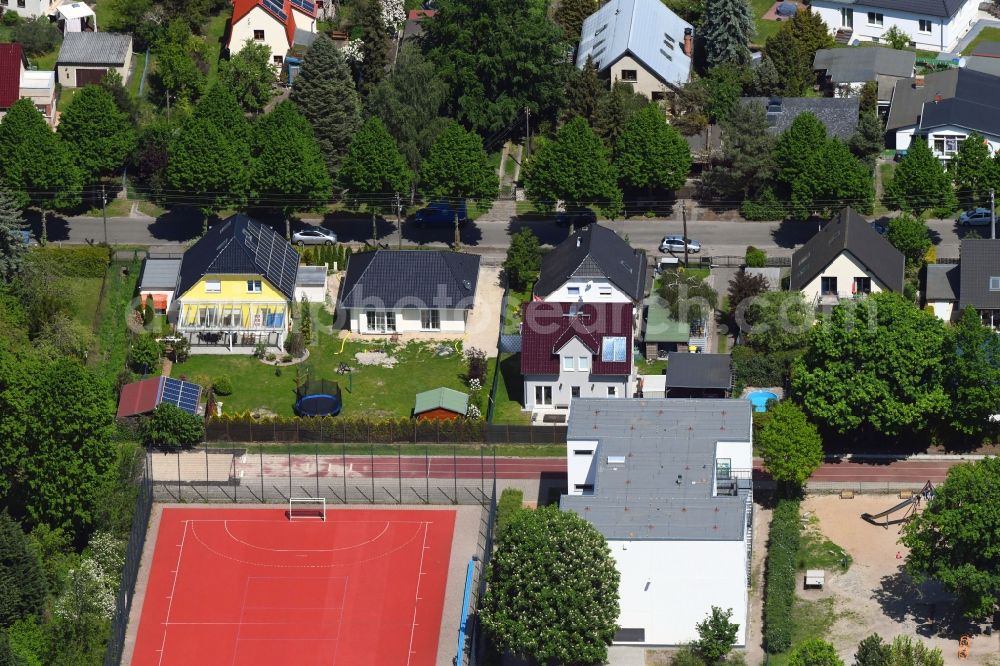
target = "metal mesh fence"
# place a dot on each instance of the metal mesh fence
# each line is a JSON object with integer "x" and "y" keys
{"x": 476, "y": 646}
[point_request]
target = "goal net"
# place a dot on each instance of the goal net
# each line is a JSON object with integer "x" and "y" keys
{"x": 309, "y": 508}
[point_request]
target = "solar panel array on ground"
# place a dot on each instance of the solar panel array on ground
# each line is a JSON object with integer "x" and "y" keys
{"x": 182, "y": 394}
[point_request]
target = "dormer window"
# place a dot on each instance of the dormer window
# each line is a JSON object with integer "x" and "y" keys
{"x": 995, "y": 283}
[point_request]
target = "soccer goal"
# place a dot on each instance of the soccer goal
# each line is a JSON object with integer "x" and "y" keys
{"x": 307, "y": 507}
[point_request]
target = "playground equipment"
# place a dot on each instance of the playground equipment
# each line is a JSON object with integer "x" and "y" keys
{"x": 964, "y": 646}
{"x": 908, "y": 506}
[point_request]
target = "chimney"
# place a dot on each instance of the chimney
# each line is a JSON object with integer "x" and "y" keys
{"x": 918, "y": 81}
{"x": 688, "y": 47}
{"x": 937, "y": 98}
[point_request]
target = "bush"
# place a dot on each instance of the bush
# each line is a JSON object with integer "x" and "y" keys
{"x": 148, "y": 311}
{"x": 11, "y": 18}
{"x": 755, "y": 257}
{"x": 511, "y": 501}
{"x": 171, "y": 426}
{"x": 181, "y": 350}
{"x": 779, "y": 585}
{"x": 38, "y": 35}
{"x": 223, "y": 385}
{"x": 753, "y": 368}
{"x": 766, "y": 208}
{"x": 476, "y": 361}
{"x": 144, "y": 355}
{"x": 88, "y": 261}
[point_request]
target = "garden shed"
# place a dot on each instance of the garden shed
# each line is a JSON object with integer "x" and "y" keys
{"x": 440, "y": 404}
{"x": 663, "y": 334}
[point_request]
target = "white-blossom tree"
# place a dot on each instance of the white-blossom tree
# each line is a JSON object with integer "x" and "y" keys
{"x": 392, "y": 14}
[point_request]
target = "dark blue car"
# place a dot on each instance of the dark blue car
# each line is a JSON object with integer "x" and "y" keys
{"x": 441, "y": 213}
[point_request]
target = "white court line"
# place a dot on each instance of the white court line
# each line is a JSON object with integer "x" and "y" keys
{"x": 307, "y": 550}
{"x": 173, "y": 588}
{"x": 243, "y": 608}
{"x": 416, "y": 595}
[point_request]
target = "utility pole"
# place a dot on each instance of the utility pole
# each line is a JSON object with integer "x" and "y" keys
{"x": 684, "y": 218}
{"x": 527, "y": 134}
{"x": 993, "y": 214}
{"x": 104, "y": 211}
{"x": 399, "y": 220}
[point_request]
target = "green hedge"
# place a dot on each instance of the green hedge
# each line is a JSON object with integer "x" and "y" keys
{"x": 511, "y": 501}
{"x": 779, "y": 585}
{"x": 85, "y": 261}
{"x": 754, "y": 368}
{"x": 766, "y": 208}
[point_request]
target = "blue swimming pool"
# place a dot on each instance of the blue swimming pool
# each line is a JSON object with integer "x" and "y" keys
{"x": 760, "y": 398}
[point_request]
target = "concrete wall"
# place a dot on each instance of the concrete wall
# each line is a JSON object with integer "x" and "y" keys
{"x": 943, "y": 309}
{"x": 740, "y": 454}
{"x": 312, "y": 294}
{"x": 645, "y": 84}
{"x": 943, "y": 36}
{"x": 668, "y": 586}
{"x": 580, "y": 465}
{"x": 597, "y": 290}
{"x": 408, "y": 321}
{"x": 845, "y": 268}
{"x": 275, "y": 35}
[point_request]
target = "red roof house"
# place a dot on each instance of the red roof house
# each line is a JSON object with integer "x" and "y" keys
{"x": 548, "y": 327}
{"x": 275, "y": 24}
{"x": 144, "y": 396}
{"x": 11, "y": 63}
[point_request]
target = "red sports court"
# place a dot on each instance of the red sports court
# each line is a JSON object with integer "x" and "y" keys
{"x": 249, "y": 587}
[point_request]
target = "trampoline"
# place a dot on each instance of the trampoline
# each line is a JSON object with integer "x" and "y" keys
{"x": 787, "y": 9}
{"x": 318, "y": 398}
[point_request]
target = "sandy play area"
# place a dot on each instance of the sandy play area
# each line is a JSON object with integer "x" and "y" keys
{"x": 875, "y": 596}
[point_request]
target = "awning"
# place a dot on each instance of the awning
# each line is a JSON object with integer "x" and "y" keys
{"x": 159, "y": 301}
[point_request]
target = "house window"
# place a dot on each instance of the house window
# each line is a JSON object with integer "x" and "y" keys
{"x": 232, "y": 316}
{"x": 208, "y": 316}
{"x": 380, "y": 322}
{"x": 828, "y": 285}
{"x": 573, "y": 291}
{"x": 630, "y": 75}
{"x": 612, "y": 391}
{"x": 253, "y": 286}
{"x": 862, "y": 285}
{"x": 846, "y": 17}
{"x": 258, "y": 35}
{"x": 430, "y": 320}
{"x": 278, "y": 60}
{"x": 269, "y": 318}
{"x": 20, "y": 3}
{"x": 613, "y": 350}
{"x": 583, "y": 452}
{"x": 213, "y": 286}
{"x": 947, "y": 145}
{"x": 567, "y": 363}
{"x": 874, "y": 18}
{"x": 658, "y": 95}
{"x": 543, "y": 395}
{"x": 574, "y": 392}
{"x": 583, "y": 363}
{"x": 4, "y": 3}
{"x": 995, "y": 284}
{"x": 584, "y": 487}
{"x": 925, "y": 25}
{"x": 604, "y": 291}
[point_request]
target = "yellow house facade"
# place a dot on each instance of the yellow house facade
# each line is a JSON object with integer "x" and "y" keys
{"x": 235, "y": 288}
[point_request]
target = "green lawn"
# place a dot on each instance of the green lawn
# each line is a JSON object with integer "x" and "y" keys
{"x": 985, "y": 35}
{"x": 46, "y": 62}
{"x": 654, "y": 367}
{"x": 764, "y": 28}
{"x": 83, "y": 295}
{"x": 371, "y": 392}
{"x": 65, "y": 97}
{"x": 512, "y": 317}
{"x": 510, "y": 393}
{"x": 812, "y": 619}
{"x": 214, "y": 30}
{"x": 883, "y": 176}
{"x": 133, "y": 84}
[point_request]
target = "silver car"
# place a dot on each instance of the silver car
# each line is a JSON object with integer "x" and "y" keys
{"x": 975, "y": 218}
{"x": 676, "y": 244}
{"x": 314, "y": 236}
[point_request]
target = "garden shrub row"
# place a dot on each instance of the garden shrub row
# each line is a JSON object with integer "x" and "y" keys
{"x": 766, "y": 208}
{"x": 318, "y": 255}
{"x": 754, "y": 368}
{"x": 80, "y": 261}
{"x": 511, "y": 501}
{"x": 779, "y": 584}
{"x": 241, "y": 427}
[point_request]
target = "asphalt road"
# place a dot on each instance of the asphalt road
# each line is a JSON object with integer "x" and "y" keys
{"x": 489, "y": 237}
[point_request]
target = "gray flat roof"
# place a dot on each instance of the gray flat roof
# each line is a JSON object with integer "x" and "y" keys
{"x": 94, "y": 48}
{"x": 160, "y": 274}
{"x": 663, "y": 490}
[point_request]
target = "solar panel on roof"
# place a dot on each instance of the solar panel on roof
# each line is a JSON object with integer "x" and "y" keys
{"x": 305, "y": 5}
{"x": 182, "y": 394}
{"x": 275, "y": 8}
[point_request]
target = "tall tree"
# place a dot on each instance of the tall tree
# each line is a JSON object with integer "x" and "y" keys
{"x": 972, "y": 374}
{"x": 12, "y": 247}
{"x": 288, "y": 172}
{"x": 868, "y": 139}
{"x": 207, "y": 167}
{"x": 872, "y": 651}
{"x": 793, "y": 48}
{"x": 374, "y": 45}
{"x": 521, "y": 65}
{"x": 814, "y": 652}
{"x": 374, "y": 172}
{"x": 688, "y": 296}
{"x": 553, "y": 589}
{"x": 875, "y": 366}
{"x": 835, "y": 179}
{"x": 573, "y": 168}
{"x": 716, "y": 636}
{"x": 22, "y": 581}
{"x": 798, "y": 147}
{"x": 652, "y": 154}
{"x": 410, "y": 103}
{"x": 178, "y": 53}
{"x": 113, "y": 84}
{"x": 766, "y": 82}
{"x": 614, "y": 110}
{"x": 570, "y": 15}
{"x": 743, "y": 291}
{"x": 727, "y": 29}
{"x": 220, "y": 107}
{"x": 99, "y": 134}
{"x": 747, "y": 162}
{"x": 585, "y": 93}
{"x": 457, "y": 169}
{"x": 975, "y": 172}
{"x": 910, "y": 236}
{"x": 789, "y": 444}
{"x": 524, "y": 259}
{"x": 919, "y": 183}
{"x": 956, "y": 537}
{"x": 325, "y": 94}
{"x": 250, "y": 75}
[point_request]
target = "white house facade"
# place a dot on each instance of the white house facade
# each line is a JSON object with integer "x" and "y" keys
{"x": 935, "y": 26}
{"x": 381, "y": 321}
{"x": 630, "y": 475}
{"x": 278, "y": 24}
{"x": 26, "y": 8}
{"x": 844, "y": 277}
{"x": 588, "y": 290}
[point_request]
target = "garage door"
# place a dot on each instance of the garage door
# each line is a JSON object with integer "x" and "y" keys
{"x": 87, "y": 76}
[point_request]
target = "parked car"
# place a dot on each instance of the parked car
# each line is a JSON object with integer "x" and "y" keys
{"x": 880, "y": 227}
{"x": 314, "y": 236}
{"x": 676, "y": 244}
{"x": 440, "y": 213}
{"x": 577, "y": 218}
{"x": 977, "y": 217}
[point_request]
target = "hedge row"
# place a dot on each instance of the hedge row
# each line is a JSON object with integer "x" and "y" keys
{"x": 511, "y": 501}
{"x": 779, "y": 585}
{"x": 84, "y": 261}
{"x": 753, "y": 368}
{"x": 243, "y": 428}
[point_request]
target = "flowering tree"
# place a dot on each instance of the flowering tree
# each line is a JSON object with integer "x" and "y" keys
{"x": 392, "y": 14}
{"x": 353, "y": 52}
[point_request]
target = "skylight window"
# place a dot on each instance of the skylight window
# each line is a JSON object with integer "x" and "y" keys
{"x": 995, "y": 283}
{"x": 613, "y": 350}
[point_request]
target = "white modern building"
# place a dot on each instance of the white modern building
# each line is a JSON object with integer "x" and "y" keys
{"x": 932, "y": 25}
{"x": 668, "y": 483}
{"x": 846, "y": 259}
{"x": 409, "y": 291}
{"x": 944, "y": 108}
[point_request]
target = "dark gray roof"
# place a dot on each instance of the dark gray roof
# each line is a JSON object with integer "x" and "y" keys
{"x": 864, "y": 64}
{"x": 838, "y": 115}
{"x": 908, "y": 100}
{"x": 985, "y": 64}
{"x": 663, "y": 490}
{"x": 94, "y": 48}
{"x": 990, "y": 49}
{"x": 437, "y": 279}
{"x": 975, "y": 104}
{"x": 241, "y": 246}
{"x": 980, "y": 261}
{"x": 699, "y": 371}
{"x": 942, "y": 282}
{"x": 594, "y": 252}
{"x": 940, "y": 8}
{"x": 849, "y": 232}
{"x": 160, "y": 274}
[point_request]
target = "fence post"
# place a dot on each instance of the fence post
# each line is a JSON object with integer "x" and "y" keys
{"x": 316, "y": 458}
{"x": 371, "y": 461}
{"x": 399, "y": 471}
{"x": 288, "y": 448}
{"x": 260, "y": 452}
{"x": 343, "y": 471}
